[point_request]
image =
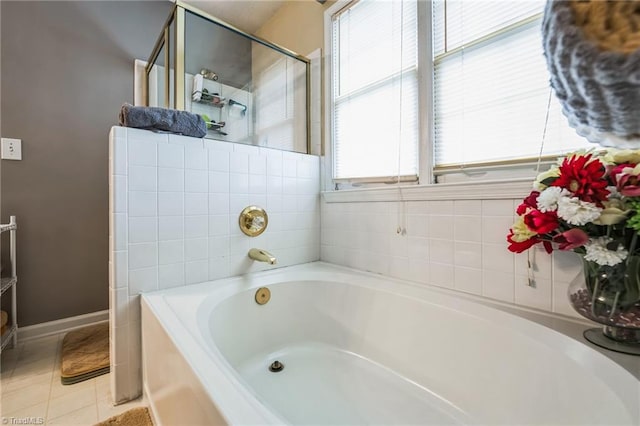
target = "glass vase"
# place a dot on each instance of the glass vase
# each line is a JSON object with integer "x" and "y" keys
{"x": 610, "y": 295}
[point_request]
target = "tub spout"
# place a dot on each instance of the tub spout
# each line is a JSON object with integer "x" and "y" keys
{"x": 262, "y": 256}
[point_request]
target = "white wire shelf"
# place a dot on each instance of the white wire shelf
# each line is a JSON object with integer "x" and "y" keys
{"x": 9, "y": 283}
{"x": 6, "y": 283}
{"x": 8, "y": 227}
{"x": 6, "y": 338}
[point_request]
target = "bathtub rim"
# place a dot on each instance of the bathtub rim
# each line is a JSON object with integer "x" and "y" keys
{"x": 527, "y": 320}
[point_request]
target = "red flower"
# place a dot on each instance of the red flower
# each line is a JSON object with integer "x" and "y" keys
{"x": 627, "y": 182}
{"x": 584, "y": 177}
{"x": 519, "y": 247}
{"x": 541, "y": 223}
{"x": 573, "y": 238}
{"x": 530, "y": 202}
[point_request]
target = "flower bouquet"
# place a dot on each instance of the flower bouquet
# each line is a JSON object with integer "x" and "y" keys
{"x": 590, "y": 203}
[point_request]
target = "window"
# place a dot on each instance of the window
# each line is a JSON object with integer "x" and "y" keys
{"x": 487, "y": 105}
{"x": 491, "y": 85}
{"x": 375, "y": 91}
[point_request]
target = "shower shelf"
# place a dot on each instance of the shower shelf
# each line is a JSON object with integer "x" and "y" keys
{"x": 217, "y": 105}
{"x": 214, "y": 100}
{"x": 10, "y": 283}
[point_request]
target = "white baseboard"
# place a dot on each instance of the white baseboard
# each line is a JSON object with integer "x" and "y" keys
{"x": 44, "y": 329}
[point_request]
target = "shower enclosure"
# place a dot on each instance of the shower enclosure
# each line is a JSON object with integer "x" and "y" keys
{"x": 247, "y": 89}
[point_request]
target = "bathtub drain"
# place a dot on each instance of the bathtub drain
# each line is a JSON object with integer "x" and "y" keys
{"x": 276, "y": 366}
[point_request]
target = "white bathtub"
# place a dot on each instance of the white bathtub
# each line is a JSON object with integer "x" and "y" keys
{"x": 362, "y": 349}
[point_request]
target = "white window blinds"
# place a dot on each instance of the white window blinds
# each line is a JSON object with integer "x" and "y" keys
{"x": 375, "y": 91}
{"x": 491, "y": 85}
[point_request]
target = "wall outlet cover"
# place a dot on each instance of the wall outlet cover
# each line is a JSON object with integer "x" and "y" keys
{"x": 11, "y": 149}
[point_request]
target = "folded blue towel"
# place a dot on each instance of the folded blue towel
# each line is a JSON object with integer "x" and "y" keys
{"x": 168, "y": 120}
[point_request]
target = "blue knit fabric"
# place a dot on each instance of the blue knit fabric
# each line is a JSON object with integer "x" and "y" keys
{"x": 597, "y": 88}
{"x": 167, "y": 120}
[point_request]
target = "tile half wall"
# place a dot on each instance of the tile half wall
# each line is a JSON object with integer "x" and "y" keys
{"x": 174, "y": 203}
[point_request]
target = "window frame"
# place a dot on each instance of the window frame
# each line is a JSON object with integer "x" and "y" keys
{"x": 424, "y": 169}
{"x": 510, "y": 181}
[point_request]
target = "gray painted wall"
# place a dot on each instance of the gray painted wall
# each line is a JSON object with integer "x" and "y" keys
{"x": 66, "y": 68}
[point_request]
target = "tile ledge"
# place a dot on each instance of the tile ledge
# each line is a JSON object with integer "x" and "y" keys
{"x": 488, "y": 190}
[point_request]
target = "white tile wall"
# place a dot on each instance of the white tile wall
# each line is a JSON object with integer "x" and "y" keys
{"x": 455, "y": 244}
{"x": 174, "y": 206}
{"x": 173, "y": 221}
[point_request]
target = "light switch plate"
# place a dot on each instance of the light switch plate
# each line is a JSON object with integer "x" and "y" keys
{"x": 11, "y": 149}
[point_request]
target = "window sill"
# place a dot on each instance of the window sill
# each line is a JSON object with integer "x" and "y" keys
{"x": 488, "y": 190}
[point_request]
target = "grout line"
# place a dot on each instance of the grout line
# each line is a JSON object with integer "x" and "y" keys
{"x": 53, "y": 375}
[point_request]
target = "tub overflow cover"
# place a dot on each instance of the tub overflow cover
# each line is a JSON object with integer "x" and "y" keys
{"x": 263, "y": 295}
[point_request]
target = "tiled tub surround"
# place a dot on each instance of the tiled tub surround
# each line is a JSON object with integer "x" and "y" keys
{"x": 174, "y": 207}
{"x": 459, "y": 245}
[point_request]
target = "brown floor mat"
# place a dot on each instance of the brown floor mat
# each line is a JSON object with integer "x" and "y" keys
{"x": 134, "y": 417}
{"x": 85, "y": 353}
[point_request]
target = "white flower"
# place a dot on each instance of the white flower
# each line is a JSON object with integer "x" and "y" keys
{"x": 613, "y": 192}
{"x": 576, "y": 211}
{"x": 598, "y": 252}
{"x": 554, "y": 171}
{"x": 614, "y": 212}
{"x": 549, "y": 198}
{"x": 617, "y": 156}
{"x": 521, "y": 231}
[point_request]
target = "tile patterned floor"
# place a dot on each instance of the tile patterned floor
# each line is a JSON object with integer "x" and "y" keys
{"x": 30, "y": 389}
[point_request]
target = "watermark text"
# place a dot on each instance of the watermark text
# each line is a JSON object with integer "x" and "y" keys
{"x": 22, "y": 420}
